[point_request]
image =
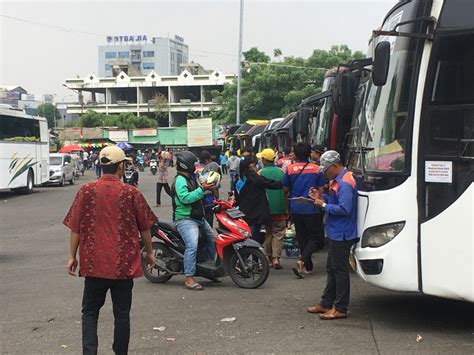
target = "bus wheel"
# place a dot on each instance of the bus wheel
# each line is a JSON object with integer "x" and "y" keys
{"x": 28, "y": 189}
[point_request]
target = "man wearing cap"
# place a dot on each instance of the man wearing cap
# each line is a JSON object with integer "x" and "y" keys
{"x": 105, "y": 220}
{"x": 340, "y": 205}
{"x": 276, "y": 227}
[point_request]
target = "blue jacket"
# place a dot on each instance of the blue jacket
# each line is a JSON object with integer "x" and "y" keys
{"x": 341, "y": 208}
{"x": 300, "y": 182}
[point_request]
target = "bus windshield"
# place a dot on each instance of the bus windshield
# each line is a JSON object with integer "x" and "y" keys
{"x": 384, "y": 120}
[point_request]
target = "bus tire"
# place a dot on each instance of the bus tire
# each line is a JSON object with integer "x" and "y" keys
{"x": 30, "y": 182}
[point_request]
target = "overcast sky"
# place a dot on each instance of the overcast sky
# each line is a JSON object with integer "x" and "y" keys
{"x": 59, "y": 39}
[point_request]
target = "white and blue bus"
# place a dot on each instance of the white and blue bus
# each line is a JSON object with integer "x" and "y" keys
{"x": 413, "y": 151}
{"x": 24, "y": 150}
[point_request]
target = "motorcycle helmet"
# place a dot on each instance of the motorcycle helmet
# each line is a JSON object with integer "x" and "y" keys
{"x": 185, "y": 161}
{"x": 210, "y": 177}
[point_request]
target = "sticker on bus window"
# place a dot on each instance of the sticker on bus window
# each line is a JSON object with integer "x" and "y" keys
{"x": 439, "y": 171}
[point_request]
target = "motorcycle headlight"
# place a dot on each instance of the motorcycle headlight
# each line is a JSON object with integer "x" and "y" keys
{"x": 377, "y": 236}
{"x": 244, "y": 232}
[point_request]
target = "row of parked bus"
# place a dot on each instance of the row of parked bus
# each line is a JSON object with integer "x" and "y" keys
{"x": 403, "y": 119}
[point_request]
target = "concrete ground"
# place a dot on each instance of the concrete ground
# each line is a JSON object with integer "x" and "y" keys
{"x": 40, "y": 303}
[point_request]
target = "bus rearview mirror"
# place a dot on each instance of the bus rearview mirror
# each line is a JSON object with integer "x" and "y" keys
{"x": 381, "y": 63}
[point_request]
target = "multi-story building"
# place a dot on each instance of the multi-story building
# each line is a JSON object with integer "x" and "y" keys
{"x": 139, "y": 56}
{"x": 175, "y": 98}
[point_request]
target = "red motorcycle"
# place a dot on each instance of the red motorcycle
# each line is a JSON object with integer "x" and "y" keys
{"x": 237, "y": 255}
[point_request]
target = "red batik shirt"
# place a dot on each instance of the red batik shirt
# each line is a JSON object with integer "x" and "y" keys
{"x": 108, "y": 216}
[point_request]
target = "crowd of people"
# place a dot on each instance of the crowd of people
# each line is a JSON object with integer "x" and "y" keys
{"x": 303, "y": 186}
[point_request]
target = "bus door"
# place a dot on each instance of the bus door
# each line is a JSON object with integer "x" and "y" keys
{"x": 446, "y": 171}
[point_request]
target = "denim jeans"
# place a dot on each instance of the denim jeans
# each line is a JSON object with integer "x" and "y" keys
{"x": 191, "y": 230}
{"x": 232, "y": 175}
{"x": 95, "y": 290}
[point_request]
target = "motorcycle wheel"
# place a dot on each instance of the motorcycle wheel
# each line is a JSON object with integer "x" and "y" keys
{"x": 257, "y": 263}
{"x": 154, "y": 274}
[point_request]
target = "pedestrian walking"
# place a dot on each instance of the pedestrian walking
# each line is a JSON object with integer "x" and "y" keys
{"x": 105, "y": 220}
{"x": 162, "y": 178}
{"x": 98, "y": 168}
{"x": 298, "y": 179}
{"x": 340, "y": 205}
{"x": 223, "y": 161}
{"x": 251, "y": 197}
{"x": 275, "y": 228}
{"x": 233, "y": 163}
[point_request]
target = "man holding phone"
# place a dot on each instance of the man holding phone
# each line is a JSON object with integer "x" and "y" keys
{"x": 340, "y": 205}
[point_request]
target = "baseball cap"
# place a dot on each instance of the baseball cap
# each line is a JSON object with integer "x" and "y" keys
{"x": 329, "y": 158}
{"x": 267, "y": 154}
{"x": 112, "y": 155}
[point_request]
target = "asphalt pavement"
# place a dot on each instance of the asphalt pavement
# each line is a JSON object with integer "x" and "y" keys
{"x": 40, "y": 303}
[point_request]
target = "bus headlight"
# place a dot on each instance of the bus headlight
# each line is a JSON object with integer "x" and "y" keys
{"x": 375, "y": 237}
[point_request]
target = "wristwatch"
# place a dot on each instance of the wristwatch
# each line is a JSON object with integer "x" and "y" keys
{"x": 324, "y": 205}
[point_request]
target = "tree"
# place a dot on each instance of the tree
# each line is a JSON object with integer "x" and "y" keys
{"x": 124, "y": 120}
{"x": 160, "y": 106}
{"x": 50, "y": 112}
{"x": 274, "y": 89}
{"x": 277, "y": 53}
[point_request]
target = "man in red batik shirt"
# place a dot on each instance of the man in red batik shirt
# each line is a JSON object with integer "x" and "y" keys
{"x": 105, "y": 220}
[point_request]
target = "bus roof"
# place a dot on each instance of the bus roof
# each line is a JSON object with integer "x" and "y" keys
{"x": 20, "y": 114}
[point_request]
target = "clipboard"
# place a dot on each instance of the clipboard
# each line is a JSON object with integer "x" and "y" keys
{"x": 302, "y": 199}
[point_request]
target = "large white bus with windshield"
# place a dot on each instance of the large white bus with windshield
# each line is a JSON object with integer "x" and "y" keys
{"x": 24, "y": 150}
{"x": 413, "y": 151}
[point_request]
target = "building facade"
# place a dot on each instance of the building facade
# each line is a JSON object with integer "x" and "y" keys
{"x": 176, "y": 98}
{"x": 139, "y": 55}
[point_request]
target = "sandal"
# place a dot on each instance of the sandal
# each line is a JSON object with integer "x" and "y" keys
{"x": 276, "y": 263}
{"x": 298, "y": 270}
{"x": 194, "y": 287}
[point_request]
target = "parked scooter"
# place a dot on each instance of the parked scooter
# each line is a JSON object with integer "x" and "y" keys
{"x": 237, "y": 255}
{"x": 153, "y": 166}
{"x": 131, "y": 175}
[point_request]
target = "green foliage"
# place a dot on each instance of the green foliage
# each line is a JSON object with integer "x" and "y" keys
{"x": 50, "y": 112}
{"x": 124, "y": 120}
{"x": 274, "y": 89}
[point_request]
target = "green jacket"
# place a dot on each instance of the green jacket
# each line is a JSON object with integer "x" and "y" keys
{"x": 187, "y": 199}
{"x": 276, "y": 198}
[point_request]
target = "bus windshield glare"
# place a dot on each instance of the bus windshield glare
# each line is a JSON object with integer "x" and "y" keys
{"x": 384, "y": 119}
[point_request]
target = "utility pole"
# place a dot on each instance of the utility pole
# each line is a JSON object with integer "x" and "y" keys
{"x": 239, "y": 57}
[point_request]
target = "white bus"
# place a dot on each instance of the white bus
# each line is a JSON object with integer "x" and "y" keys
{"x": 24, "y": 150}
{"x": 413, "y": 152}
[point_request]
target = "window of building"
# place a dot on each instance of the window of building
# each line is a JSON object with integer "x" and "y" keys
{"x": 148, "y": 65}
{"x": 148, "y": 54}
{"x": 123, "y": 54}
{"x": 110, "y": 55}
{"x": 108, "y": 67}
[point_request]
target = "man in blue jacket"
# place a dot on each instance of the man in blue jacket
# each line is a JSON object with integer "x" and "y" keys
{"x": 340, "y": 205}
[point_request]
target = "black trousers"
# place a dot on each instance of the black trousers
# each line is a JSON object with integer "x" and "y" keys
{"x": 310, "y": 236}
{"x": 160, "y": 186}
{"x": 338, "y": 285}
{"x": 224, "y": 169}
{"x": 95, "y": 290}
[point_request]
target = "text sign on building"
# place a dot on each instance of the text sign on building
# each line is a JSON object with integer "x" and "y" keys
{"x": 118, "y": 136}
{"x": 200, "y": 132}
{"x": 126, "y": 38}
{"x": 439, "y": 171}
{"x": 147, "y": 132}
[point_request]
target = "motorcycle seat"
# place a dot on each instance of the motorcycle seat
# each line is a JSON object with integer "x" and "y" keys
{"x": 168, "y": 225}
